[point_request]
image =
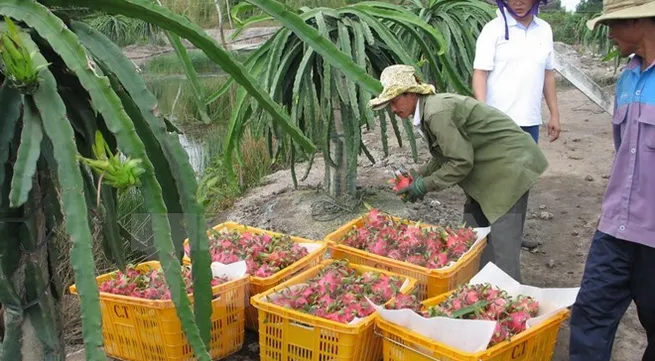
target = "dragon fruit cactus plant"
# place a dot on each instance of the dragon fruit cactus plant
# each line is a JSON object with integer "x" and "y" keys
{"x": 148, "y": 284}
{"x": 432, "y": 248}
{"x": 339, "y": 293}
{"x": 265, "y": 255}
{"x": 479, "y": 302}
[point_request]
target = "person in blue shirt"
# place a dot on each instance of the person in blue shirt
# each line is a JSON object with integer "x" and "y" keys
{"x": 620, "y": 266}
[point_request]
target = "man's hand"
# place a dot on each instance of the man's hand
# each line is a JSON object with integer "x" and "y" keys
{"x": 415, "y": 191}
{"x": 554, "y": 128}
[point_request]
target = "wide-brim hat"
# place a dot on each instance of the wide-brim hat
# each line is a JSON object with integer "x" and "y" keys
{"x": 623, "y": 9}
{"x": 396, "y": 80}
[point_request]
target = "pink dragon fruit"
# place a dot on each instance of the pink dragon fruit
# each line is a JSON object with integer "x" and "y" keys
{"x": 481, "y": 302}
{"x": 380, "y": 248}
{"x": 148, "y": 284}
{"x": 515, "y": 322}
{"x": 525, "y": 303}
{"x": 266, "y": 270}
{"x": 380, "y": 234}
{"x": 501, "y": 333}
{"x": 395, "y": 254}
{"x": 402, "y": 301}
{"x": 338, "y": 293}
{"x": 417, "y": 259}
{"x": 497, "y": 307}
{"x": 264, "y": 254}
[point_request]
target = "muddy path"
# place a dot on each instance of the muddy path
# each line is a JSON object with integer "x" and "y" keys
{"x": 563, "y": 208}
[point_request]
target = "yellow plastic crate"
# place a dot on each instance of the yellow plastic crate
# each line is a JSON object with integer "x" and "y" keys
{"x": 289, "y": 335}
{"x": 533, "y": 344}
{"x": 431, "y": 282}
{"x": 136, "y": 329}
{"x": 257, "y": 285}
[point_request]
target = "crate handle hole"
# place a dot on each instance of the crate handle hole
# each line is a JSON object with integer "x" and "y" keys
{"x": 302, "y": 325}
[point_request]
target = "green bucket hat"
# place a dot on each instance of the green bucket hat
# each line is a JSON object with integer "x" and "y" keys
{"x": 396, "y": 80}
{"x": 623, "y": 9}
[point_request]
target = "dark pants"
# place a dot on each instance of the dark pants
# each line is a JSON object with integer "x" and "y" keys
{"x": 617, "y": 272}
{"x": 504, "y": 241}
{"x": 533, "y": 131}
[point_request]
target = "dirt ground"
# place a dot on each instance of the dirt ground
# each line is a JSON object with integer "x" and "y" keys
{"x": 249, "y": 39}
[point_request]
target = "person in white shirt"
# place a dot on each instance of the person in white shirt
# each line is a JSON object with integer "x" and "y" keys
{"x": 513, "y": 68}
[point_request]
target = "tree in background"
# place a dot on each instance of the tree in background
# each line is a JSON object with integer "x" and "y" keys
{"x": 589, "y": 7}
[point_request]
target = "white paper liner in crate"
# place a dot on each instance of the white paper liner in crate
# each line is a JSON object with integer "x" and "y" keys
{"x": 273, "y": 296}
{"x": 311, "y": 247}
{"x": 232, "y": 271}
{"x": 474, "y": 335}
{"x": 481, "y": 233}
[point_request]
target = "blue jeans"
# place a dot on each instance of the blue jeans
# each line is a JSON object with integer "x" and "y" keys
{"x": 617, "y": 272}
{"x": 533, "y": 131}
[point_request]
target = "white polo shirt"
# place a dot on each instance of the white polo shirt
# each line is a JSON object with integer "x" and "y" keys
{"x": 516, "y": 66}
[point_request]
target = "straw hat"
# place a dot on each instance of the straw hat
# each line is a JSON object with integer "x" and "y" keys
{"x": 624, "y": 9}
{"x": 396, "y": 80}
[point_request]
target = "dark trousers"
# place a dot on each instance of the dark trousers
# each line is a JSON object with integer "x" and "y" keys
{"x": 504, "y": 241}
{"x": 617, "y": 272}
{"x": 533, "y": 131}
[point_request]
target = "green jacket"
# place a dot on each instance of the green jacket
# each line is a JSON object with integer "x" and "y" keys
{"x": 480, "y": 149}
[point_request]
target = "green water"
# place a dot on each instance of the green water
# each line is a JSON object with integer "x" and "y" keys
{"x": 203, "y": 142}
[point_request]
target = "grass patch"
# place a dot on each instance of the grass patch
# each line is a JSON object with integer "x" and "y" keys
{"x": 176, "y": 99}
{"x": 216, "y": 193}
{"x": 201, "y": 12}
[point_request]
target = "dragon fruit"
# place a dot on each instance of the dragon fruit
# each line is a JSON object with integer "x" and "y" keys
{"x": 339, "y": 293}
{"x": 433, "y": 248}
{"x": 515, "y": 321}
{"x": 148, "y": 284}
{"x": 524, "y": 303}
{"x": 265, "y": 255}
{"x": 402, "y": 301}
{"x": 501, "y": 333}
{"x": 479, "y": 302}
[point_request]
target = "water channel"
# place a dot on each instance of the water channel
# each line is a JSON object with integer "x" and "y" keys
{"x": 175, "y": 98}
